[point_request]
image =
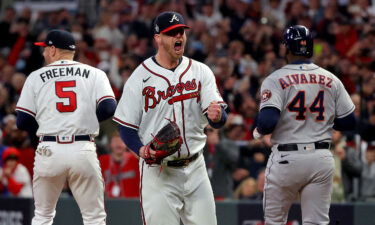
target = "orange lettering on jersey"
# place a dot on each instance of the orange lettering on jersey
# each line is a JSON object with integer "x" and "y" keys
{"x": 283, "y": 83}
{"x": 303, "y": 79}
{"x": 321, "y": 79}
{"x": 312, "y": 78}
{"x": 290, "y": 81}
{"x": 295, "y": 78}
{"x": 329, "y": 84}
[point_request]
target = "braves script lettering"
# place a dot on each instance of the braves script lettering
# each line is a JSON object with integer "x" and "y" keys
{"x": 153, "y": 97}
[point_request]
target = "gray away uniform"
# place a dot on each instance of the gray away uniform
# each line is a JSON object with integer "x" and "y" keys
{"x": 301, "y": 165}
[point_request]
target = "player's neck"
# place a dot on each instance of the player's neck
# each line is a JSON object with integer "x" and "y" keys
{"x": 291, "y": 59}
{"x": 63, "y": 56}
{"x": 166, "y": 61}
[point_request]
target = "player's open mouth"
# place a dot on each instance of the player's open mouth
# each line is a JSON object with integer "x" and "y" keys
{"x": 178, "y": 46}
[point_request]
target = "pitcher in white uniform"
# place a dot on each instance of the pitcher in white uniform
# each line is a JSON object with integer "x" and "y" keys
{"x": 63, "y": 103}
{"x": 300, "y": 105}
{"x": 169, "y": 86}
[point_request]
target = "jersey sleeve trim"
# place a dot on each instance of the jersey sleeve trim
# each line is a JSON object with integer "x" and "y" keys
{"x": 26, "y": 111}
{"x": 125, "y": 124}
{"x": 270, "y": 105}
{"x": 222, "y": 103}
{"x": 105, "y": 97}
{"x": 347, "y": 113}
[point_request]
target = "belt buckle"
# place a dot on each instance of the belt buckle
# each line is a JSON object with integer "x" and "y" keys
{"x": 309, "y": 147}
{"x": 65, "y": 139}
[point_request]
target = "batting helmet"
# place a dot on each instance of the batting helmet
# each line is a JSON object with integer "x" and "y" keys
{"x": 298, "y": 40}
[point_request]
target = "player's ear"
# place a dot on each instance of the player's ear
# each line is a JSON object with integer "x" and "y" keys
{"x": 157, "y": 38}
{"x": 53, "y": 51}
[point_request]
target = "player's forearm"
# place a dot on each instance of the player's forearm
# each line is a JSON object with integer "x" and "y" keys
{"x": 106, "y": 109}
{"x": 267, "y": 120}
{"x": 222, "y": 121}
{"x": 131, "y": 138}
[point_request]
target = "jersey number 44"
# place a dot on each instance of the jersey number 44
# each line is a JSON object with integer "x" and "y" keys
{"x": 298, "y": 105}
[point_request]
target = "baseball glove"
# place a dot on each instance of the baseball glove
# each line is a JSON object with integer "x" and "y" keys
{"x": 166, "y": 142}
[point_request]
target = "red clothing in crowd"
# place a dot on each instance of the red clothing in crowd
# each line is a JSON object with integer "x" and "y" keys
{"x": 121, "y": 178}
{"x": 27, "y": 159}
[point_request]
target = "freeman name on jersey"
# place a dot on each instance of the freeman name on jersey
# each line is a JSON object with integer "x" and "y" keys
{"x": 290, "y": 80}
{"x": 64, "y": 71}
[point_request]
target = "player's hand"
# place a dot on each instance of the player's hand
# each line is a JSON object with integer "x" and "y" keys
{"x": 256, "y": 134}
{"x": 214, "y": 112}
{"x": 146, "y": 152}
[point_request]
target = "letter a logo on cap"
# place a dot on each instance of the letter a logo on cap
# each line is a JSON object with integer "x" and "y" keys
{"x": 174, "y": 17}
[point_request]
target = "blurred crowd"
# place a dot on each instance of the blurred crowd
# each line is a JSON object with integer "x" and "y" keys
{"x": 240, "y": 40}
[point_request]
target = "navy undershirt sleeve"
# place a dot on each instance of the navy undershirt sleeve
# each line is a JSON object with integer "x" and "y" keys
{"x": 346, "y": 123}
{"x": 267, "y": 120}
{"x": 222, "y": 121}
{"x": 26, "y": 122}
{"x": 106, "y": 109}
{"x": 131, "y": 138}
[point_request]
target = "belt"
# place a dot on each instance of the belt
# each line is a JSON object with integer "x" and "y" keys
{"x": 294, "y": 147}
{"x": 182, "y": 162}
{"x": 66, "y": 139}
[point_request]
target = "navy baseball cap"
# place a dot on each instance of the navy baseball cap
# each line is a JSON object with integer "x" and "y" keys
{"x": 167, "y": 21}
{"x": 60, "y": 39}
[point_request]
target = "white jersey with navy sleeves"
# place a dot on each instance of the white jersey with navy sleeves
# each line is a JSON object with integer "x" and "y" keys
{"x": 153, "y": 94}
{"x": 63, "y": 97}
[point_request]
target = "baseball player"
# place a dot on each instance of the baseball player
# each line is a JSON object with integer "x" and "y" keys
{"x": 300, "y": 104}
{"x": 169, "y": 86}
{"x": 63, "y": 103}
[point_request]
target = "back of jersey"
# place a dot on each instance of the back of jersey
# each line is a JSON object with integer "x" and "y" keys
{"x": 63, "y": 97}
{"x": 309, "y": 99}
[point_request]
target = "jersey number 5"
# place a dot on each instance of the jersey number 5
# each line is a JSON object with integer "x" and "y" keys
{"x": 298, "y": 105}
{"x": 71, "y": 95}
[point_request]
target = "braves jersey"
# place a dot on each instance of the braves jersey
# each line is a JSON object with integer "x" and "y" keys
{"x": 309, "y": 99}
{"x": 63, "y": 97}
{"x": 154, "y": 94}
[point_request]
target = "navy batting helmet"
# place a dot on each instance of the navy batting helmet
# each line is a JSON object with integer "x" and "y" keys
{"x": 298, "y": 40}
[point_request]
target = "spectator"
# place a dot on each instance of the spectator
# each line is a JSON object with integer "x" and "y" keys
{"x": 224, "y": 154}
{"x": 261, "y": 179}
{"x": 368, "y": 175}
{"x": 120, "y": 170}
{"x": 246, "y": 190}
{"x": 14, "y": 177}
{"x": 21, "y": 141}
{"x": 339, "y": 154}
